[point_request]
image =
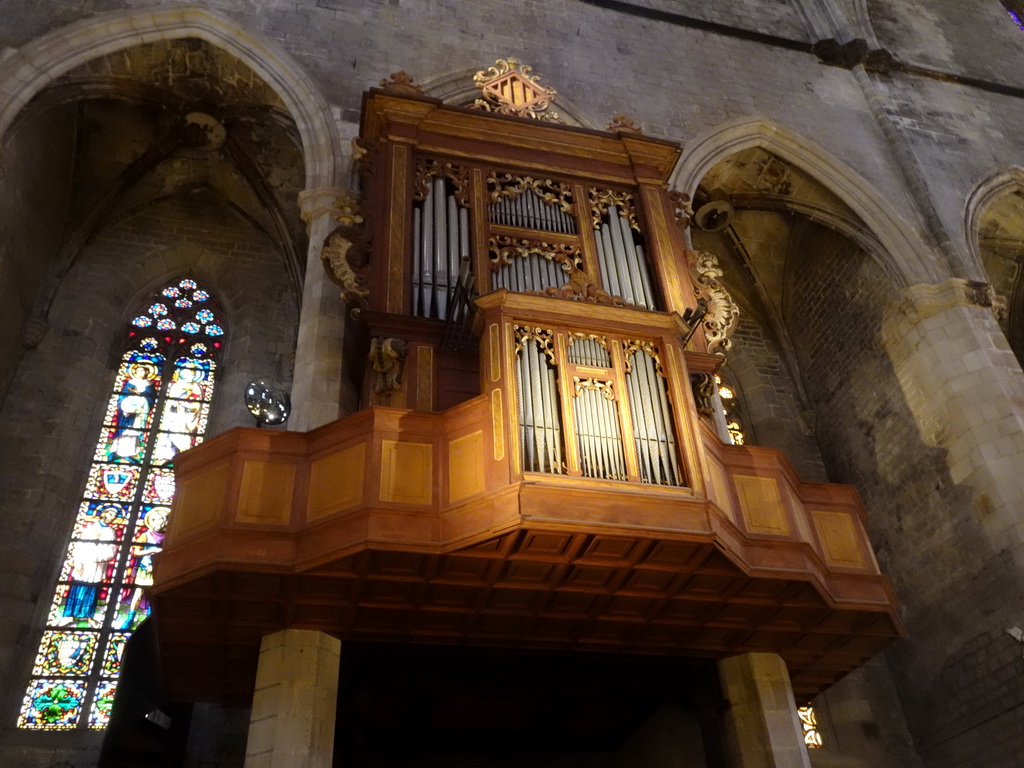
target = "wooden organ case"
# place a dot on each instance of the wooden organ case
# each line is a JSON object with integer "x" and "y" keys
{"x": 530, "y": 469}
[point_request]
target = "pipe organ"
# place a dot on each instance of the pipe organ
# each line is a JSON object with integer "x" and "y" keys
{"x": 535, "y": 473}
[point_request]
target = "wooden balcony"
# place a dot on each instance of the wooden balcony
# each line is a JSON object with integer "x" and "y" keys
{"x": 404, "y": 526}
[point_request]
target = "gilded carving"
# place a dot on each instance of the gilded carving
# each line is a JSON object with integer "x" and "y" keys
{"x": 575, "y": 336}
{"x": 551, "y": 192}
{"x": 387, "y": 356}
{"x": 504, "y": 248}
{"x": 602, "y": 199}
{"x": 647, "y": 347}
{"x": 681, "y": 208}
{"x": 623, "y": 124}
{"x": 337, "y": 252}
{"x": 544, "y": 338}
{"x": 427, "y": 169}
{"x": 510, "y": 88}
{"x": 401, "y": 82}
{"x": 704, "y": 386}
{"x": 722, "y": 313}
{"x": 594, "y": 385}
{"x": 365, "y": 161}
{"x": 580, "y": 288}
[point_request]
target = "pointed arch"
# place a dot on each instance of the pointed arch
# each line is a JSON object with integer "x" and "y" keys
{"x": 27, "y": 71}
{"x": 903, "y": 259}
{"x": 1003, "y": 182}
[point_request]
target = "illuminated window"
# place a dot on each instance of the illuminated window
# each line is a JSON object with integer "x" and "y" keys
{"x": 812, "y": 737}
{"x": 729, "y": 407}
{"x": 158, "y": 407}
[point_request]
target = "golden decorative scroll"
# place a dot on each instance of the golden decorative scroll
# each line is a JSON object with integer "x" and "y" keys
{"x": 503, "y": 249}
{"x": 551, "y": 192}
{"x": 723, "y": 314}
{"x": 681, "y": 208}
{"x": 427, "y": 168}
{"x": 647, "y": 347}
{"x": 510, "y": 88}
{"x": 387, "y": 357}
{"x": 595, "y": 385}
{"x": 576, "y": 336}
{"x": 580, "y": 288}
{"x": 601, "y": 199}
{"x": 544, "y": 338}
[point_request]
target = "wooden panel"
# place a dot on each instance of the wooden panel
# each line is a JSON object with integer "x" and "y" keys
{"x": 498, "y": 424}
{"x": 494, "y": 350}
{"x": 465, "y": 466}
{"x": 425, "y": 378}
{"x": 839, "y": 539}
{"x": 720, "y": 488}
{"x": 336, "y": 482}
{"x": 199, "y": 501}
{"x": 266, "y": 493}
{"x": 761, "y": 504}
{"x": 407, "y": 471}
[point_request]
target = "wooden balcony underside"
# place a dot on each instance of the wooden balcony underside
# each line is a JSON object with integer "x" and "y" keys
{"x": 400, "y": 526}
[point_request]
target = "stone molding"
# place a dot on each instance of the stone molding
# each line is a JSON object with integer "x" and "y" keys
{"x": 28, "y": 70}
{"x": 317, "y": 203}
{"x": 927, "y": 299}
{"x": 905, "y": 260}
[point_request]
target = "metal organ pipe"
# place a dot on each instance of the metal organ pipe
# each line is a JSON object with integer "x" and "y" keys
{"x": 440, "y": 243}
{"x": 440, "y": 249}
{"x": 417, "y": 260}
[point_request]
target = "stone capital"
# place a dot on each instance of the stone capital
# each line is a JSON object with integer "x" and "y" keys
{"x": 927, "y": 299}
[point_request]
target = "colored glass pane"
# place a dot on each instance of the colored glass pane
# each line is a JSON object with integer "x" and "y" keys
{"x": 102, "y": 703}
{"x": 214, "y": 330}
{"x": 52, "y": 704}
{"x": 200, "y": 296}
{"x": 158, "y": 407}
{"x": 204, "y": 316}
{"x": 66, "y": 653}
{"x": 809, "y": 723}
{"x": 142, "y": 321}
{"x": 165, "y": 325}
{"x": 112, "y": 657}
{"x": 190, "y": 327}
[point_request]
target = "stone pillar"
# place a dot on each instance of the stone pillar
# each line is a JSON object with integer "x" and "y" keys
{"x": 761, "y": 728}
{"x": 295, "y": 701}
{"x": 966, "y": 391}
{"x": 320, "y": 391}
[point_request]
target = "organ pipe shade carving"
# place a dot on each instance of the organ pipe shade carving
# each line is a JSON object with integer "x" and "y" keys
{"x": 651, "y": 414}
{"x": 539, "y": 410}
{"x": 440, "y": 241}
{"x": 529, "y": 203}
{"x": 522, "y": 265}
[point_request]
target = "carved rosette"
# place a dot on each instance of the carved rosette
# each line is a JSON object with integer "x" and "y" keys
{"x": 510, "y": 88}
{"x": 545, "y": 338}
{"x": 649, "y": 348}
{"x": 595, "y": 385}
{"x": 551, "y": 192}
{"x": 602, "y": 199}
{"x": 723, "y": 314}
{"x": 427, "y": 169}
{"x": 504, "y": 248}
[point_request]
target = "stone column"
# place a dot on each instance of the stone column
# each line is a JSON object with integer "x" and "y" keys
{"x": 295, "y": 701}
{"x": 966, "y": 391}
{"x": 761, "y": 728}
{"x": 320, "y": 393}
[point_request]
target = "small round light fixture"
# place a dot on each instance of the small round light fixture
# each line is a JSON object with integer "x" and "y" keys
{"x": 268, "y": 406}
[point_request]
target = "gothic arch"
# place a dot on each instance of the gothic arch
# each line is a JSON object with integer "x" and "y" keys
{"x": 30, "y": 69}
{"x": 1004, "y": 182}
{"x": 903, "y": 259}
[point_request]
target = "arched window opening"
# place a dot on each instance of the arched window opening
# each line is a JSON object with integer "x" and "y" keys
{"x": 809, "y": 723}
{"x": 158, "y": 407}
{"x": 730, "y": 409}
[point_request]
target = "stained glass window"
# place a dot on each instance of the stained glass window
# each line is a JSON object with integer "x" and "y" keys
{"x": 729, "y": 407}
{"x": 809, "y": 722}
{"x": 158, "y": 407}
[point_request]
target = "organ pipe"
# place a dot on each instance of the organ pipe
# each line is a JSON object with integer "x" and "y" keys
{"x": 440, "y": 241}
{"x": 654, "y": 435}
{"x": 540, "y": 428}
{"x": 623, "y": 265}
{"x": 528, "y": 210}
